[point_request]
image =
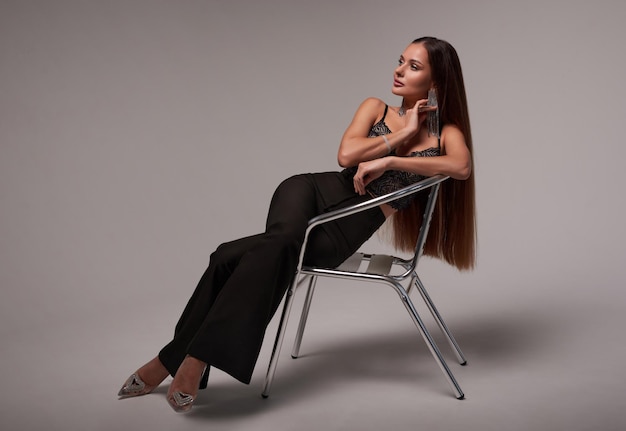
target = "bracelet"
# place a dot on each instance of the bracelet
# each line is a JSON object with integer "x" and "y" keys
{"x": 387, "y": 143}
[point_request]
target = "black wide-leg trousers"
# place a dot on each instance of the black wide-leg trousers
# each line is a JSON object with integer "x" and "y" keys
{"x": 225, "y": 319}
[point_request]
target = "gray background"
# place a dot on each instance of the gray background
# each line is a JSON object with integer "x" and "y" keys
{"x": 135, "y": 136}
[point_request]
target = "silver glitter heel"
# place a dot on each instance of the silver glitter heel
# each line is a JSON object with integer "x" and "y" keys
{"x": 181, "y": 402}
{"x": 134, "y": 387}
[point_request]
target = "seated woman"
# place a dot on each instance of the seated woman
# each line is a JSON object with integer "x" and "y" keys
{"x": 383, "y": 149}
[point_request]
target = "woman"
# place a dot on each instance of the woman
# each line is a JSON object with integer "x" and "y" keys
{"x": 384, "y": 148}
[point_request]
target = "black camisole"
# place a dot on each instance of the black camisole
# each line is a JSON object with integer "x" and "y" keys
{"x": 390, "y": 181}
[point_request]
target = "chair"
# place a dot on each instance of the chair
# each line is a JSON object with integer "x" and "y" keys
{"x": 374, "y": 268}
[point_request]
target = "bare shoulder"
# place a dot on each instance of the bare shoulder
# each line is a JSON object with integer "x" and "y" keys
{"x": 451, "y": 132}
{"x": 370, "y": 110}
{"x": 372, "y": 105}
{"x": 453, "y": 141}
{"x": 373, "y": 102}
{"x": 366, "y": 115}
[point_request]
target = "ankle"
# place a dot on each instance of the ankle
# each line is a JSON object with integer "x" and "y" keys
{"x": 188, "y": 375}
{"x": 194, "y": 365}
{"x": 153, "y": 372}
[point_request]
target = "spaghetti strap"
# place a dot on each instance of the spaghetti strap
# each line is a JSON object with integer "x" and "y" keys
{"x": 385, "y": 113}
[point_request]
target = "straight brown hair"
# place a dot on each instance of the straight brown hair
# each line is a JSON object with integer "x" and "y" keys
{"x": 452, "y": 235}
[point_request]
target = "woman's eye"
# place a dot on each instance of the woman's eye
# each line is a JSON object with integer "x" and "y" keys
{"x": 400, "y": 61}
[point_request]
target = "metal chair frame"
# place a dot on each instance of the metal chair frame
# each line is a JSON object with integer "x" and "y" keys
{"x": 378, "y": 268}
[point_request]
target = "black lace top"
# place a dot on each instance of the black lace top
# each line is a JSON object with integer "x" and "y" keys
{"x": 390, "y": 181}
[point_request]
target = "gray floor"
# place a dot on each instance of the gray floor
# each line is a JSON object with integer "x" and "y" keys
{"x": 545, "y": 362}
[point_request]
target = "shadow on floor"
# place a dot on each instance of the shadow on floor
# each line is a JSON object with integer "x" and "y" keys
{"x": 400, "y": 356}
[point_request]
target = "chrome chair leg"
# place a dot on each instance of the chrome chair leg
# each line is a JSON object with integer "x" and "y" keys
{"x": 410, "y": 285}
{"x": 376, "y": 271}
{"x": 434, "y": 350}
{"x": 295, "y": 352}
{"x": 442, "y": 325}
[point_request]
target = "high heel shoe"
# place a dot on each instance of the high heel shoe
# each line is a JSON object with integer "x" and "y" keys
{"x": 134, "y": 387}
{"x": 181, "y": 402}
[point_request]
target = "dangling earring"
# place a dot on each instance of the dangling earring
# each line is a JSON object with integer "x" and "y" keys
{"x": 433, "y": 116}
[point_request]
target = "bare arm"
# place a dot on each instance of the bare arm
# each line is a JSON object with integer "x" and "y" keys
{"x": 356, "y": 147}
{"x": 455, "y": 162}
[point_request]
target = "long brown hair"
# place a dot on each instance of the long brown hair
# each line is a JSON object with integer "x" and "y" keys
{"x": 452, "y": 235}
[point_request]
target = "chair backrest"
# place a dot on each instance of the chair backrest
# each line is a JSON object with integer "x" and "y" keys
{"x": 433, "y": 183}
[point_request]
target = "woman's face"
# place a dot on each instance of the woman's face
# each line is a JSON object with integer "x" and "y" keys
{"x": 412, "y": 77}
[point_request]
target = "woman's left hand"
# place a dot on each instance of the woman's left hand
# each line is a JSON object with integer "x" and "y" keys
{"x": 368, "y": 172}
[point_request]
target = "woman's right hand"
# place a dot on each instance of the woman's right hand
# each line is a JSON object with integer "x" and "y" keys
{"x": 416, "y": 115}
